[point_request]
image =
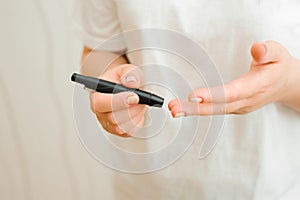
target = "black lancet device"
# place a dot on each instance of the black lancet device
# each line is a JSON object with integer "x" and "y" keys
{"x": 105, "y": 86}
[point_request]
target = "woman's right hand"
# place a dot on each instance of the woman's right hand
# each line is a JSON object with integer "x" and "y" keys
{"x": 120, "y": 114}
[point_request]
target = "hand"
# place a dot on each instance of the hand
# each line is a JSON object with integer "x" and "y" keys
{"x": 272, "y": 77}
{"x": 120, "y": 114}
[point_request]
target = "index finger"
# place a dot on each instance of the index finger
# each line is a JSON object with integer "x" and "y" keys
{"x": 244, "y": 87}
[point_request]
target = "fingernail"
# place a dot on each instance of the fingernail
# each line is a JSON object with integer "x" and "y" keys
{"x": 132, "y": 99}
{"x": 181, "y": 114}
{"x": 130, "y": 79}
{"x": 196, "y": 100}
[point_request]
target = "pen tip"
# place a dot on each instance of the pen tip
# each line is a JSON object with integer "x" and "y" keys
{"x": 73, "y": 77}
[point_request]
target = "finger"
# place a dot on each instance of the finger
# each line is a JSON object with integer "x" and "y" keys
{"x": 121, "y": 116}
{"x": 116, "y": 130}
{"x": 202, "y": 95}
{"x": 131, "y": 76}
{"x": 135, "y": 129}
{"x": 185, "y": 108}
{"x": 268, "y": 52}
{"x": 258, "y": 52}
{"x": 122, "y": 129}
{"x": 244, "y": 87}
{"x": 101, "y": 103}
{"x": 173, "y": 102}
{"x": 111, "y": 128}
{"x": 109, "y": 123}
{"x": 129, "y": 125}
{"x": 182, "y": 107}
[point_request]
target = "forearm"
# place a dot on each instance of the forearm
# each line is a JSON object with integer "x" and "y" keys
{"x": 94, "y": 63}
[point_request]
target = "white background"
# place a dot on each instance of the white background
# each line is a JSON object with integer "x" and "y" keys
{"x": 41, "y": 156}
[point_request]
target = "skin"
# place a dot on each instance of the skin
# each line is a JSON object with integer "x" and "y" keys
{"x": 273, "y": 77}
{"x": 119, "y": 114}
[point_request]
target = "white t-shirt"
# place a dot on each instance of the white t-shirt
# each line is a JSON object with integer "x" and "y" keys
{"x": 257, "y": 156}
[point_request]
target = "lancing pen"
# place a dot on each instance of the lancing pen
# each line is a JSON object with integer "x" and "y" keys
{"x": 105, "y": 86}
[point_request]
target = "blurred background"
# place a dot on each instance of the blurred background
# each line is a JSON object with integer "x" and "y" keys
{"x": 41, "y": 156}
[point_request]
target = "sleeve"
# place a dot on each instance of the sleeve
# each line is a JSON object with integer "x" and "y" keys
{"x": 97, "y": 24}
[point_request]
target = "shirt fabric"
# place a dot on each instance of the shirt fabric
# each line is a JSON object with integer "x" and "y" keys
{"x": 257, "y": 156}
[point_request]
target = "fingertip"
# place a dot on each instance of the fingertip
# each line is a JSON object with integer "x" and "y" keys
{"x": 259, "y": 51}
{"x": 176, "y": 110}
{"x": 131, "y": 76}
{"x": 130, "y": 81}
{"x": 173, "y": 113}
{"x": 173, "y": 103}
{"x": 132, "y": 99}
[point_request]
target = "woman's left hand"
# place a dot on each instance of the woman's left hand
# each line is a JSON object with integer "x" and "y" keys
{"x": 273, "y": 77}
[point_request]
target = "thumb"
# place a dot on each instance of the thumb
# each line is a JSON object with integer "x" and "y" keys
{"x": 267, "y": 52}
{"x": 131, "y": 76}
